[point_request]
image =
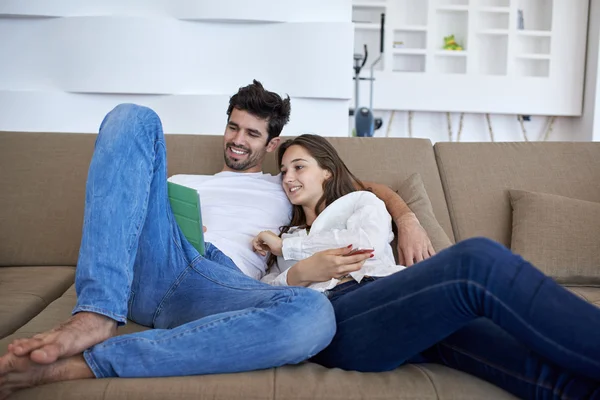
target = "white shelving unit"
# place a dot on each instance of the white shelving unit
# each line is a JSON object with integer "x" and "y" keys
{"x": 507, "y": 65}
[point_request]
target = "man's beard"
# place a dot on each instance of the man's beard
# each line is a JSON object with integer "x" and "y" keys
{"x": 251, "y": 160}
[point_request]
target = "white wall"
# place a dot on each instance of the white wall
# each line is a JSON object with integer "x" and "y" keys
{"x": 65, "y": 63}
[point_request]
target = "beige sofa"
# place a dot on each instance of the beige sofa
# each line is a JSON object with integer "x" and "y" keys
{"x": 42, "y": 179}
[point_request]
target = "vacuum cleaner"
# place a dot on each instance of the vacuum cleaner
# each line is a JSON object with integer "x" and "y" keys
{"x": 365, "y": 123}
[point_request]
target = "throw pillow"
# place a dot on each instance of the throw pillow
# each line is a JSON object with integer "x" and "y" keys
{"x": 414, "y": 194}
{"x": 559, "y": 235}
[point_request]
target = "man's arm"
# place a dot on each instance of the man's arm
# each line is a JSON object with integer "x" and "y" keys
{"x": 413, "y": 243}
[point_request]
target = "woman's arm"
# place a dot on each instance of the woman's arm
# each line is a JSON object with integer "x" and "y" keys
{"x": 413, "y": 243}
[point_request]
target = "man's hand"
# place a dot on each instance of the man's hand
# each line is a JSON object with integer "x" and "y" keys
{"x": 267, "y": 241}
{"x": 413, "y": 243}
{"x": 325, "y": 265}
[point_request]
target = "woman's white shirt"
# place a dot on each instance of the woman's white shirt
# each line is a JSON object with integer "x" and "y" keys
{"x": 359, "y": 219}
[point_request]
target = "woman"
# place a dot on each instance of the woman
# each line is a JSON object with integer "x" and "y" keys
{"x": 476, "y": 306}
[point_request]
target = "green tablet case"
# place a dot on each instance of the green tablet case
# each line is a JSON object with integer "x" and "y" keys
{"x": 185, "y": 203}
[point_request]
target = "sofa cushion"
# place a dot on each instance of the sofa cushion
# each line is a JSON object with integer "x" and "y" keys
{"x": 414, "y": 194}
{"x": 476, "y": 177}
{"x": 25, "y": 291}
{"x": 559, "y": 235}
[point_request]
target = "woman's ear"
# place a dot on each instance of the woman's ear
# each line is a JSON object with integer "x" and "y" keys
{"x": 327, "y": 174}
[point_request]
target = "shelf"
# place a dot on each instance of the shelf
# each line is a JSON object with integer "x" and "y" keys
{"x": 537, "y": 14}
{"x": 367, "y": 14}
{"x": 451, "y": 53}
{"x": 453, "y": 2}
{"x": 412, "y": 28}
{"x": 533, "y": 45}
{"x": 368, "y": 4}
{"x": 533, "y": 68}
{"x": 409, "y": 63}
{"x": 453, "y": 8}
{"x": 410, "y": 51}
{"x": 411, "y": 39}
{"x": 367, "y": 26}
{"x": 534, "y": 56}
{"x": 491, "y": 20}
{"x": 496, "y": 32}
{"x": 495, "y": 3}
{"x": 492, "y": 55}
{"x": 534, "y": 33}
{"x": 451, "y": 65}
{"x": 450, "y": 23}
{"x": 411, "y": 12}
{"x": 503, "y": 10}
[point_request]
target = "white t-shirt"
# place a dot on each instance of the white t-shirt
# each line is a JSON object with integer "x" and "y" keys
{"x": 359, "y": 219}
{"x": 235, "y": 207}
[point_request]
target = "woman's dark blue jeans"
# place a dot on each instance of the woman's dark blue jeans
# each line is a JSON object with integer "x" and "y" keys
{"x": 476, "y": 307}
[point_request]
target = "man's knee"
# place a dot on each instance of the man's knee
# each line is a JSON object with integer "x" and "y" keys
{"x": 127, "y": 115}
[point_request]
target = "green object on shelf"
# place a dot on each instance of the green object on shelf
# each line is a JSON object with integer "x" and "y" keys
{"x": 450, "y": 44}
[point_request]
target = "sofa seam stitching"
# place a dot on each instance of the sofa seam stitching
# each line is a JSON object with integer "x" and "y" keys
{"x": 447, "y": 195}
{"x": 429, "y": 378}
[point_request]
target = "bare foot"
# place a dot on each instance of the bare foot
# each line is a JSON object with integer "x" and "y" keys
{"x": 18, "y": 373}
{"x": 81, "y": 331}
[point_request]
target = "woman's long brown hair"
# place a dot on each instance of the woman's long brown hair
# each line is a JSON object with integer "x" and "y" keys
{"x": 341, "y": 182}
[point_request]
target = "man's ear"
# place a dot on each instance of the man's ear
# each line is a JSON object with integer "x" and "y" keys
{"x": 273, "y": 144}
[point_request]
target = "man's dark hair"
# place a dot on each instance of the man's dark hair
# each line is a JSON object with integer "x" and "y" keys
{"x": 262, "y": 104}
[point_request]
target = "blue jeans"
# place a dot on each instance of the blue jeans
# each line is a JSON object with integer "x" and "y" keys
{"x": 208, "y": 317}
{"x": 478, "y": 308}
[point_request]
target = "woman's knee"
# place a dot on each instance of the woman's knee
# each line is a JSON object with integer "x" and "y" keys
{"x": 311, "y": 326}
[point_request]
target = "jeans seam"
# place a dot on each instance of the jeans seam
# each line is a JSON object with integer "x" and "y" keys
{"x": 89, "y": 359}
{"x": 102, "y": 311}
{"x": 487, "y": 293}
{"x": 506, "y": 371}
{"x": 125, "y": 339}
{"x": 168, "y": 293}
{"x": 267, "y": 287}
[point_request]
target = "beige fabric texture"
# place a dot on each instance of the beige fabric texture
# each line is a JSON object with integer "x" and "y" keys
{"x": 47, "y": 173}
{"x": 305, "y": 381}
{"x": 414, "y": 194}
{"x": 25, "y": 291}
{"x": 559, "y": 235}
{"x": 476, "y": 177}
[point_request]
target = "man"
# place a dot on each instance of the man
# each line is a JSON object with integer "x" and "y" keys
{"x": 208, "y": 316}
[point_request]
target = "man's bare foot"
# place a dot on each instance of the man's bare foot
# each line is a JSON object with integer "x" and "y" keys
{"x": 20, "y": 372}
{"x": 81, "y": 331}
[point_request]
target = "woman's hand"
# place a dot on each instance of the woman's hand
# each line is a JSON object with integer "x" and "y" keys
{"x": 267, "y": 241}
{"x": 326, "y": 265}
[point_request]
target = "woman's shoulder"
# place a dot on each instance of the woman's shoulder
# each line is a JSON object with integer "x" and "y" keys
{"x": 358, "y": 199}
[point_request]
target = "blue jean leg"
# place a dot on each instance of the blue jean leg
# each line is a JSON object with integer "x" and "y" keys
{"x": 484, "y": 350}
{"x": 392, "y": 319}
{"x": 127, "y": 226}
{"x": 217, "y": 320}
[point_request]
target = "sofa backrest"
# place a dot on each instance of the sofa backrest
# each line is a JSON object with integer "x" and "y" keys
{"x": 43, "y": 177}
{"x": 477, "y": 176}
